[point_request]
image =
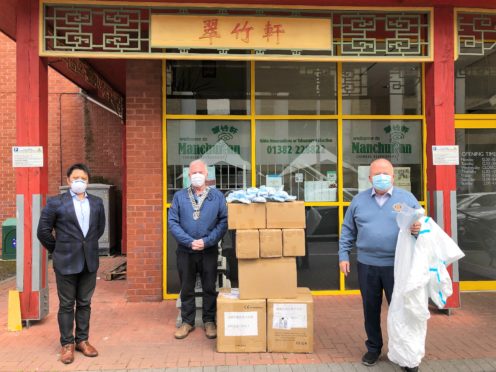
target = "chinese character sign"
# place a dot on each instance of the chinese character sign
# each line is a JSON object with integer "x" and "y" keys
{"x": 227, "y": 32}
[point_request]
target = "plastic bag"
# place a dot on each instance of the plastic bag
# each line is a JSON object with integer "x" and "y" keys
{"x": 420, "y": 273}
{"x": 442, "y": 251}
{"x": 406, "y": 329}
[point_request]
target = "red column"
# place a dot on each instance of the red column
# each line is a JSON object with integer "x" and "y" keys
{"x": 124, "y": 192}
{"x": 440, "y": 111}
{"x": 32, "y": 130}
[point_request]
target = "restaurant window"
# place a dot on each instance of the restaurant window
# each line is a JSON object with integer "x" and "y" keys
{"x": 475, "y": 84}
{"x": 288, "y": 131}
{"x": 299, "y": 155}
{"x": 399, "y": 141}
{"x": 208, "y": 87}
{"x": 295, "y": 88}
{"x": 319, "y": 268}
{"x": 476, "y": 203}
{"x": 382, "y": 89}
{"x": 223, "y": 145}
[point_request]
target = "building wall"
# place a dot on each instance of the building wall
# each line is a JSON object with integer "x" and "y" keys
{"x": 7, "y": 127}
{"x": 144, "y": 180}
{"x": 78, "y": 131}
{"x": 61, "y": 94}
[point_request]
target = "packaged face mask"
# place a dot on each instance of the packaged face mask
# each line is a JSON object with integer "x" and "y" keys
{"x": 259, "y": 195}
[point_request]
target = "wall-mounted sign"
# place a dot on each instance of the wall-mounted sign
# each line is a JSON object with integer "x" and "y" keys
{"x": 445, "y": 155}
{"x": 235, "y": 32}
{"x": 400, "y": 142}
{"x": 216, "y": 143}
{"x": 27, "y": 156}
{"x": 477, "y": 169}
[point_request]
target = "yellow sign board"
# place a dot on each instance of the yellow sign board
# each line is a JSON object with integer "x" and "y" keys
{"x": 238, "y": 32}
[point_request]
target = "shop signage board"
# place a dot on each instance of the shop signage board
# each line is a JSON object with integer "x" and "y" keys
{"x": 230, "y": 32}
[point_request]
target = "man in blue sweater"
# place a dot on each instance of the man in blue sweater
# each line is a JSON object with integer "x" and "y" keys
{"x": 370, "y": 225}
{"x": 198, "y": 221}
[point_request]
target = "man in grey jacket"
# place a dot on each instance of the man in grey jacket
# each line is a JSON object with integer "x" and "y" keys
{"x": 198, "y": 221}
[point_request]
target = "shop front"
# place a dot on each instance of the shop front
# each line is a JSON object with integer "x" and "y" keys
{"x": 300, "y": 97}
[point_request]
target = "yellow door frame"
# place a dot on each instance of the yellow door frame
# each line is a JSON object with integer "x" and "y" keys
{"x": 476, "y": 121}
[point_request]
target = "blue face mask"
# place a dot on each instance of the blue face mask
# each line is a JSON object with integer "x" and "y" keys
{"x": 382, "y": 182}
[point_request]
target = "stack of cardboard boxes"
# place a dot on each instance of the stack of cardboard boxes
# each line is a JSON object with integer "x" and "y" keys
{"x": 268, "y": 312}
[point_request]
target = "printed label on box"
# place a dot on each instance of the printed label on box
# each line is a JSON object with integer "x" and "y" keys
{"x": 241, "y": 323}
{"x": 288, "y": 316}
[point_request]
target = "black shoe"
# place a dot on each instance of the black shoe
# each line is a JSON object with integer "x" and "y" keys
{"x": 413, "y": 369}
{"x": 369, "y": 359}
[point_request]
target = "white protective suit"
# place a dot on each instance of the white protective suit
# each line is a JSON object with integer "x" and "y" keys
{"x": 419, "y": 273}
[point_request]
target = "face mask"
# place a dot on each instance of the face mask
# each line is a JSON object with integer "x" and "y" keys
{"x": 382, "y": 182}
{"x": 198, "y": 180}
{"x": 78, "y": 186}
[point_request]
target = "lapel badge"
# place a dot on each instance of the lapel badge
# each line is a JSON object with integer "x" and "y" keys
{"x": 397, "y": 207}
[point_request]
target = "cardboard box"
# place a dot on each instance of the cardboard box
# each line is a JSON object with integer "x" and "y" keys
{"x": 293, "y": 242}
{"x": 241, "y": 324}
{"x": 270, "y": 243}
{"x": 288, "y": 215}
{"x": 267, "y": 278}
{"x": 290, "y": 324}
{"x": 247, "y": 244}
{"x": 245, "y": 216}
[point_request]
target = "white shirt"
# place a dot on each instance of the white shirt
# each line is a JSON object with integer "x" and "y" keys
{"x": 382, "y": 199}
{"x": 82, "y": 208}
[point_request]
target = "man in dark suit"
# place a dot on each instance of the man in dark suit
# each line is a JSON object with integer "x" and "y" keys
{"x": 78, "y": 220}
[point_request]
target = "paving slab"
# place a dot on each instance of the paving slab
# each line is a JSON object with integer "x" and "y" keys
{"x": 139, "y": 337}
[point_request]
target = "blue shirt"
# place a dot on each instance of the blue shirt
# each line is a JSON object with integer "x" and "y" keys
{"x": 372, "y": 228}
{"x": 210, "y": 226}
{"x": 82, "y": 208}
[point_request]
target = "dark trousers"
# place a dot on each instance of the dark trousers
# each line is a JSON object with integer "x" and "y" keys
{"x": 204, "y": 263}
{"x": 373, "y": 280}
{"x": 75, "y": 289}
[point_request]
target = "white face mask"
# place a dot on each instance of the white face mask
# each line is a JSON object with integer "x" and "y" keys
{"x": 197, "y": 180}
{"x": 78, "y": 186}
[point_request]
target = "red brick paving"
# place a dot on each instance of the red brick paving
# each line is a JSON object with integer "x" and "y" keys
{"x": 139, "y": 335}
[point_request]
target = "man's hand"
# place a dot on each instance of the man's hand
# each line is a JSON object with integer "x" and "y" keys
{"x": 415, "y": 228}
{"x": 197, "y": 245}
{"x": 344, "y": 266}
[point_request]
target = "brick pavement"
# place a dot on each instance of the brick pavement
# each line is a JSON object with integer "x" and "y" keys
{"x": 137, "y": 336}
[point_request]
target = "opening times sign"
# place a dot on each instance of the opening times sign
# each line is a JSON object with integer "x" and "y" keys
{"x": 477, "y": 169}
{"x": 232, "y": 32}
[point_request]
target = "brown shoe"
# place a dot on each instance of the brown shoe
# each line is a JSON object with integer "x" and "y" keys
{"x": 210, "y": 330}
{"x": 67, "y": 354}
{"x": 87, "y": 349}
{"x": 183, "y": 331}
